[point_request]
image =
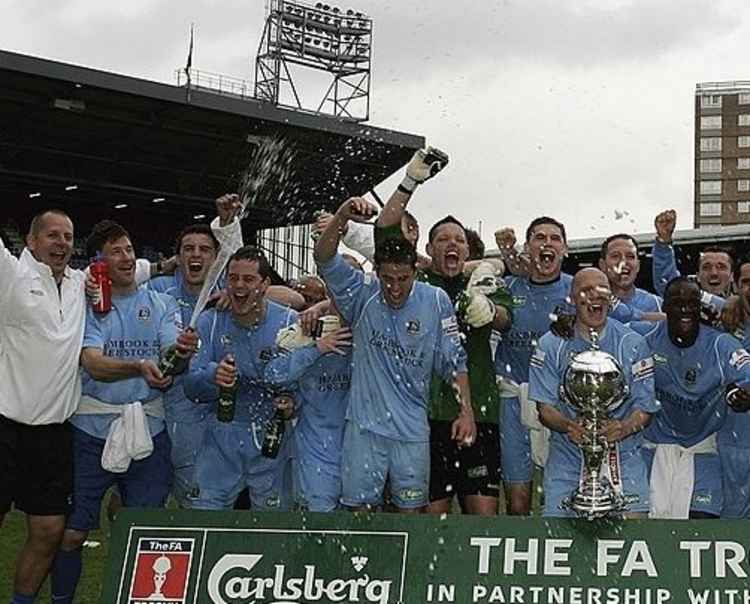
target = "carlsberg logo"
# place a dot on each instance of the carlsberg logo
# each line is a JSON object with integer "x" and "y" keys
{"x": 279, "y": 589}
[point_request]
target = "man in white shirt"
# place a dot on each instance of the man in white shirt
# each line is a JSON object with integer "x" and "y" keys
{"x": 42, "y": 312}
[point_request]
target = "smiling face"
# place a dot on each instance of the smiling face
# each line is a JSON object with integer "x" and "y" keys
{"x": 715, "y": 272}
{"x": 683, "y": 307}
{"x": 120, "y": 258}
{"x": 546, "y": 247}
{"x": 51, "y": 241}
{"x": 448, "y": 249}
{"x": 197, "y": 254}
{"x": 621, "y": 264}
{"x": 591, "y": 295}
{"x": 246, "y": 288}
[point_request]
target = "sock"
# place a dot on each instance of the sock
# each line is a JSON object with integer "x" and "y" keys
{"x": 64, "y": 576}
{"x": 22, "y": 599}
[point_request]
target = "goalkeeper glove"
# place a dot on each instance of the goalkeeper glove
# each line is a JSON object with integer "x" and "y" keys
{"x": 423, "y": 165}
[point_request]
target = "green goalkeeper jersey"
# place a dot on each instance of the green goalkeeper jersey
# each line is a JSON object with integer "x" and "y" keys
{"x": 481, "y": 365}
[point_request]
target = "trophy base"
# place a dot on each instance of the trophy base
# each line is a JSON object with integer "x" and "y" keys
{"x": 595, "y": 501}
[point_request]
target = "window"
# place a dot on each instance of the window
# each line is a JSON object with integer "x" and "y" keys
{"x": 710, "y": 209}
{"x": 743, "y": 184}
{"x": 710, "y": 165}
{"x": 744, "y": 99}
{"x": 711, "y": 143}
{"x": 743, "y": 141}
{"x": 743, "y": 207}
{"x": 743, "y": 119}
{"x": 710, "y": 122}
{"x": 711, "y": 100}
{"x": 743, "y": 163}
{"x": 710, "y": 187}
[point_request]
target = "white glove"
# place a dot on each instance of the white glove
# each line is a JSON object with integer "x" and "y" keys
{"x": 290, "y": 338}
{"x": 328, "y": 324}
{"x": 423, "y": 165}
{"x": 483, "y": 279}
{"x": 480, "y": 311}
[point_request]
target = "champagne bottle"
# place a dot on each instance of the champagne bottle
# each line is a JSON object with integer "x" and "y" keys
{"x": 171, "y": 363}
{"x": 274, "y": 436}
{"x": 227, "y": 399}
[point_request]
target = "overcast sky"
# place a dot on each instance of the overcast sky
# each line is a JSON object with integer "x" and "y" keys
{"x": 580, "y": 109}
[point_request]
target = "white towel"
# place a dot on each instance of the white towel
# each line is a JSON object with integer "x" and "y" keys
{"x": 673, "y": 477}
{"x": 128, "y": 438}
{"x": 538, "y": 433}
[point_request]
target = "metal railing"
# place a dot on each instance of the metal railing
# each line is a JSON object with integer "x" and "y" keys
{"x": 216, "y": 82}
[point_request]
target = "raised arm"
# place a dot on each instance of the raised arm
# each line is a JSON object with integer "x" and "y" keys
{"x": 354, "y": 208}
{"x": 664, "y": 266}
{"x": 423, "y": 165}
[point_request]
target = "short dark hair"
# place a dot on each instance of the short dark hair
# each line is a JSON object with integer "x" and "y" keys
{"x": 476, "y": 245}
{"x": 199, "y": 229}
{"x": 447, "y": 220}
{"x": 718, "y": 249}
{"x": 545, "y": 220}
{"x": 104, "y": 231}
{"x": 253, "y": 254}
{"x": 36, "y": 222}
{"x": 396, "y": 251}
{"x": 611, "y": 238}
{"x": 678, "y": 282}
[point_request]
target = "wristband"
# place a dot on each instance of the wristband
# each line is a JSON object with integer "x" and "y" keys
{"x": 408, "y": 185}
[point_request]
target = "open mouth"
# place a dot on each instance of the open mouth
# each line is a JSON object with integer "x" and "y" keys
{"x": 451, "y": 259}
{"x": 58, "y": 256}
{"x": 547, "y": 258}
{"x": 195, "y": 268}
{"x": 597, "y": 309}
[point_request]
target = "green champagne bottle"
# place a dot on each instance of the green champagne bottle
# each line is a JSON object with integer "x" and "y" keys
{"x": 227, "y": 399}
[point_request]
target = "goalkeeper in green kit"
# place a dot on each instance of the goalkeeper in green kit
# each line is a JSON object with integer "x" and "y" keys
{"x": 469, "y": 470}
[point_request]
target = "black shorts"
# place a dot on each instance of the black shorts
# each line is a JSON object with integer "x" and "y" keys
{"x": 464, "y": 471}
{"x": 36, "y": 468}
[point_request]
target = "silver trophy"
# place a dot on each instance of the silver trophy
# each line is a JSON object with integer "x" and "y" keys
{"x": 594, "y": 384}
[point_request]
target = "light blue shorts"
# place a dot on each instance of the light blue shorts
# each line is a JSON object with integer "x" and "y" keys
{"x": 230, "y": 460}
{"x": 708, "y": 496}
{"x": 368, "y": 459}
{"x": 317, "y": 484}
{"x": 515, "y": 447}
{"x": 562, "y": 472}
{"x": 187, "y": 438}
{"x": 735, "y": 476}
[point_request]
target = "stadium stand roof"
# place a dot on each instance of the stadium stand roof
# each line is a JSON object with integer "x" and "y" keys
{"x": 123, "y": 140}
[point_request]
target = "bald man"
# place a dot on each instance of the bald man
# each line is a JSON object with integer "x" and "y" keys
{"x": 626, "y": 469}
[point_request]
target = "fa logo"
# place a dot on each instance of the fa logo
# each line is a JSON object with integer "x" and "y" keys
{"x": 413, "y": 327}
{"x": 144, "y": 314}
{"x": 162, "y": 569}
{"x": 691, "y": 375}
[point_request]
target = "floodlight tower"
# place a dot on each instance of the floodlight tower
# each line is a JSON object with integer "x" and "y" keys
{"x": 319, "y": 39}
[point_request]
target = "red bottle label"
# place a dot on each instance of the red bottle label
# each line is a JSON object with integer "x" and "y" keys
{"x": 102, "y": 301}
